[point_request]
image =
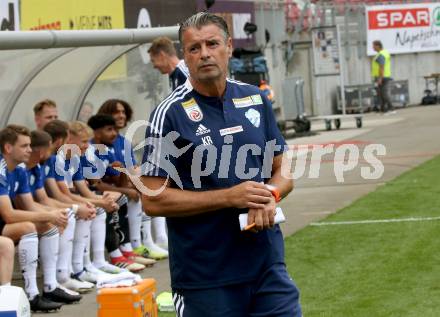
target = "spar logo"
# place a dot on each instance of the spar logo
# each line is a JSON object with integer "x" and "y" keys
{"x": 401, "y": 18}
{"x": 436, "y": 16}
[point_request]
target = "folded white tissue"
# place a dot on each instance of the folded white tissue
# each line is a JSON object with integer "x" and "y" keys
{"x": 124, "y": 279}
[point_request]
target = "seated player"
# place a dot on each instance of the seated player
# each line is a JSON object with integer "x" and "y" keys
{"x": 99, "y": 155}
{"x": 98, "y": 159}
{"x": 23, "y": 226}
{"x": 121, "y": 148}
{"x": 41, "y": 150}
{"x": 58, "y": 130}
{"x": 60, "y": 178}
{"x": 79, "y": 135}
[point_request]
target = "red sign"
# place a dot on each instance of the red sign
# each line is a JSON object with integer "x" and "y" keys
{"x": 398, "y": 18}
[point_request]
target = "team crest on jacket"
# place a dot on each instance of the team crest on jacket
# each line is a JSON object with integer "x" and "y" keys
{"x": 253, "y": 116}
{"x": 193, "y": 110}
{"x": 32, "y": 180}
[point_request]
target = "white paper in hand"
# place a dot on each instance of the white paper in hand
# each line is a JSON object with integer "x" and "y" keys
{"x": 279, "y": 218}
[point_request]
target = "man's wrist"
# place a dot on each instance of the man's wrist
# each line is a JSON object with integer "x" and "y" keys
{"x": 224, "y": 200}
{"x": 275, "y": 192}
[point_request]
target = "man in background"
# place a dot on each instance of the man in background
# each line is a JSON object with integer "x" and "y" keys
{"x": 44, "y": 112}
{"x": 164, "y": 58}
{"x": 381, "y": 74}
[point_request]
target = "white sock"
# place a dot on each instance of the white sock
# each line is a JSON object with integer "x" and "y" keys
{"x": 65, "y": 253}
{"x": 86, "y": 257}
{"x": 126, "y": 247}
{"x": 147, "y": 238}
{"x": 160, "y": 230}
{"x": 98, "y": 239}
{"x": 82, "y": 232}
{"x": 115, "y": 253}
{"x": 134, "y": 222}
{"x": 28, "y": 257}
{"x": 7, "y": 284}
{"x": 49, "y": 246}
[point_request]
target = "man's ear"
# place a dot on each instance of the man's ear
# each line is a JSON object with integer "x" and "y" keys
{"x": 229, "y": 44}
{"x": 7, "y": 148}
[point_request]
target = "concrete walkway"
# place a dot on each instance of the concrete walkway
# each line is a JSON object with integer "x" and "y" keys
{"x": 410, "y": 137}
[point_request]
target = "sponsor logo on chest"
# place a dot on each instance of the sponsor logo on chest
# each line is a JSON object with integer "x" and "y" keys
{"x": 248, "y": 101}
{"x": 32, "y": 180}
{"x": 192, "y": 110}
{"x": 201, "y": 130}
{"x": 231, "y": 130}
{"x": 46, "y": 170}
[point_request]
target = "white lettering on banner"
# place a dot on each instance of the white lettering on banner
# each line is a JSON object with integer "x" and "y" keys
{"x": 404, "y": 28}
{"x": 231, "y": 130}
{"x": 402, "y": 18}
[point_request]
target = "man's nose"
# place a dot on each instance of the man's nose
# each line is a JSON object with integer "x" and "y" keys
{"x": 204, "y": 52}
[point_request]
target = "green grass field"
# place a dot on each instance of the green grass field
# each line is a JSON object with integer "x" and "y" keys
{"x": 379, "y": 269}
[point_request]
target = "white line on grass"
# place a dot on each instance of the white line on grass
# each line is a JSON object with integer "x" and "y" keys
{"x": 335, "y": 223}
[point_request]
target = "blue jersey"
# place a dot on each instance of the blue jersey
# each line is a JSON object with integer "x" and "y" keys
{"x": 13, "y": 182}
{"x": 62, "y": 169}
{"x": 51, "y": 170}
{"x": 226, "y": 138}
{"x": 96, "y": 162}
{"x": 36, "y": 178}
{"x": 179, "y": 75}
{"x": 118, "y": 150}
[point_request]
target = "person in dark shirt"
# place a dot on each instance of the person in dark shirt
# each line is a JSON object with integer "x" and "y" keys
{"x": 214, "y": 151}
{"x": 164, "y": 58}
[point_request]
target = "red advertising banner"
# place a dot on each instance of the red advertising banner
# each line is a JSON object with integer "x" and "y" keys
{"x": 404, "y": 28}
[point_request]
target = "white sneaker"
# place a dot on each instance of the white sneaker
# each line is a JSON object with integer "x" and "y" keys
{"x": 68, "y": 291}
{"x": 77, "y": 286}
{"x": 111, "y": 269}
{"x": 92, "y": 269}
{"x": 163, "y": 244}
{"x": 86, "y": 276}
{"x": 98, "y": 273}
